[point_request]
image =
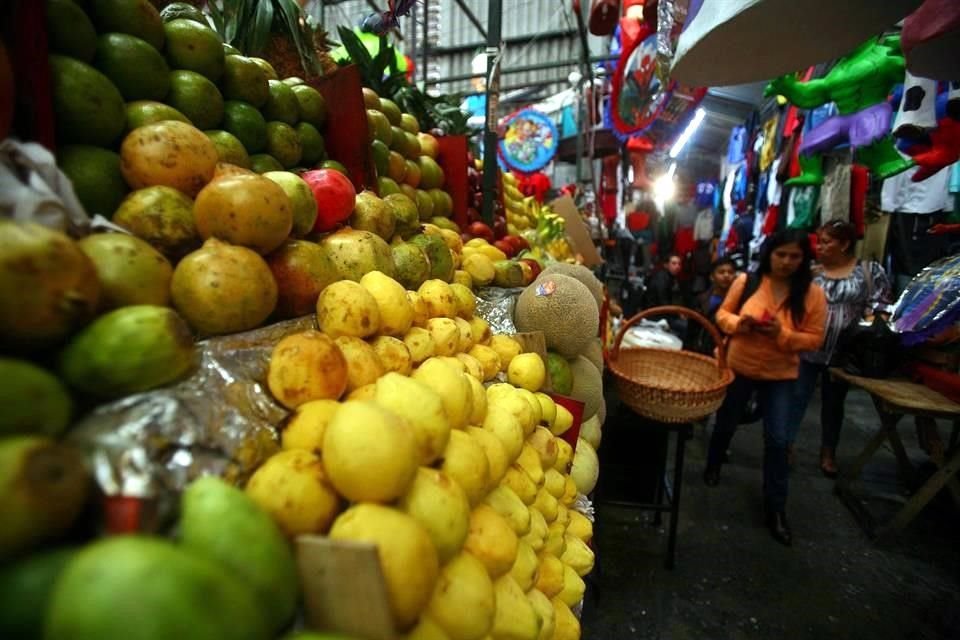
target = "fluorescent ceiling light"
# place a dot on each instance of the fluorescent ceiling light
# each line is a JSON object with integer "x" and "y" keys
{"x": 688, "y": 132}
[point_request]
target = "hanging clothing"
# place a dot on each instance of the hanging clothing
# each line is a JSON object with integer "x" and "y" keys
{"x": 835, "y": 192}
{"x": 737, "y": 146}
{"x": 703, "y": 226}
{"x": 774, "y": 189}
{"x": 901, "y": 194}
{"x": 859, "y": 184}
{"x": 769, "y": 149}
{"x": 803, "y": 207}
{"x": 771, "y": 221}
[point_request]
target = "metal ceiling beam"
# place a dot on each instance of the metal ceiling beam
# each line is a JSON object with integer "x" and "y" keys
{"x": 543, "y": 66}
{"x": 474, "y": 46}
{"x": 471, "y": 17}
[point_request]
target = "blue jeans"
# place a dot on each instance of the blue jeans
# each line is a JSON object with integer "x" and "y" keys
{"x": 779, "y": 429}
{"x": 832, "y": 400}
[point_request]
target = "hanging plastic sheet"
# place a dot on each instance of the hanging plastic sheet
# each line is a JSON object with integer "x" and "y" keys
{"x": 931, "y": 302}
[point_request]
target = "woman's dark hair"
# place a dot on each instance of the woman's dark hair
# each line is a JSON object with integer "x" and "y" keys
{"x": 801, "y": 279}
{"x": 842, "y": 231}
{"x": 723, "y": 262}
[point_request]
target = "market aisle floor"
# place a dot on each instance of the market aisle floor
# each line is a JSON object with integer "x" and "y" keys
{"x": 732, "y": 581}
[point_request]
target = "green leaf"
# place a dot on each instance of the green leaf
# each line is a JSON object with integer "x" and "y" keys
{"x": 259, "y": 34}
{"x": 360, "y": 57}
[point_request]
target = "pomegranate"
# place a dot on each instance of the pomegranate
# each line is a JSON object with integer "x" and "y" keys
{"x": 335, "y": 197}
{"x": 302, "y": 270}
{"x": 480, "y": 230}
{"x": 506, "y": 247}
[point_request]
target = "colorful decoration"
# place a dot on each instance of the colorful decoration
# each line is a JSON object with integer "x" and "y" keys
{"x": 859, "y": 85}
{"x": 928, "y": 125}
{"x": 931, "y": 302}
{"x": 638, "y": 96}
{"x": 529, "y": 141}
{"x": 380, "y": 23}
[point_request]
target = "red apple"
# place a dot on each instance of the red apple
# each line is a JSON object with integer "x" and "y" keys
{"x": 506, "y": 247}
{"x": 480, "y": 230}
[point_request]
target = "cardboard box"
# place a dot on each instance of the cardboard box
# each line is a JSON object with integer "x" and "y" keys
{"x": 577, "y": 231}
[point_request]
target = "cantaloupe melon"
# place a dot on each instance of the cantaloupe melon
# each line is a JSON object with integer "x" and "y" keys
{"x": 594, "y": 353}
{"x": 561, "y": 307}
{"x": 581, "y": 273}
{"x": 587, "y": 385}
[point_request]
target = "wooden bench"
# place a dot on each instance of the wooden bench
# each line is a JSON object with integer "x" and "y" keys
{"x": 894, "y": 399}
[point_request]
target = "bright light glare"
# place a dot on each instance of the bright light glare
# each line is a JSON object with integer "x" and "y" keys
{"x": 688, "y": 132}
{"x": 664, "y": 187}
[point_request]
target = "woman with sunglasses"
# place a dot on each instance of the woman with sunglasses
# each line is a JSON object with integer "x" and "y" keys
{"x": 854, "y": 290}
{"x": 772, "y": 317}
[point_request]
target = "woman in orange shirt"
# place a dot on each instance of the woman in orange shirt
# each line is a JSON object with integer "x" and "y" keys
{"x": 772, "y": 317}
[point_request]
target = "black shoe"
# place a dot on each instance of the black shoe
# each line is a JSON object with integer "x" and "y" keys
{"x": 779, "y": 527}
{"x": 711, "y": 476}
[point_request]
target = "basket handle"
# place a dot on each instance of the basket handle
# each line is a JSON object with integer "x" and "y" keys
{"x": 673, "y": 310}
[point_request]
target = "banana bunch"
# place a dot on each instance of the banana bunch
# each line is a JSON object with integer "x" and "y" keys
{"x": 550, "y": 226}
{"x": 559, "y": 249}
{"x": 521, "y": 210}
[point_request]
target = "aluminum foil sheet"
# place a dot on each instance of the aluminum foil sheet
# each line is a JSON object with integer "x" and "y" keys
{"x": 221, "y": 420}
{"x": 495, "y": 305}
{"x": 666, "y": 12}
{"x": 583, "y": 505}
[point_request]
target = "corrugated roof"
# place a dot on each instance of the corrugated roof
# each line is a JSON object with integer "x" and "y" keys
{"x": 536, "y": 32}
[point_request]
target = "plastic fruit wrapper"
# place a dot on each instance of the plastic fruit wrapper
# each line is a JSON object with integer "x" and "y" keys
{"x": 219, "y": 421}
{"x": 495, "y": 305}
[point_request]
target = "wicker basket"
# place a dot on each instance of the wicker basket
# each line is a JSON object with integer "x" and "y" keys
{"x": 670, "y": 386}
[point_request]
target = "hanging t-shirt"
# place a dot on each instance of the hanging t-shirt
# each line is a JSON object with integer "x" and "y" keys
{"x": 774, "y": 190}
{"x": 803, "y": 207}
{"x": 835, "y": 192}
{"x": 769, "y": 149}
{"x": 737, "y": 146}
{"x": 703, "y": 227}
{"x": 901, "y": 194}
{"x": 859, "y": 184}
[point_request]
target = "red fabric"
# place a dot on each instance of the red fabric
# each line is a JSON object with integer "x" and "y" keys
{"x": 943, "y": 150}
{"x": 859, "y": 183}
{"x": 733, "y": 240}
{"x": 683, "y": 242}
{"x": 770, "y": 222}
{"x": 452, "y": 157}
{"x": 940, "y": 381}
{"x": 608, "y": 204}
{"x": 933, "y": 19}
{"x": 640, "y": 144}
{"x": 536, "y": 185}
{"x": 638, "y": 221}
{"x": 31, "y": 70}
